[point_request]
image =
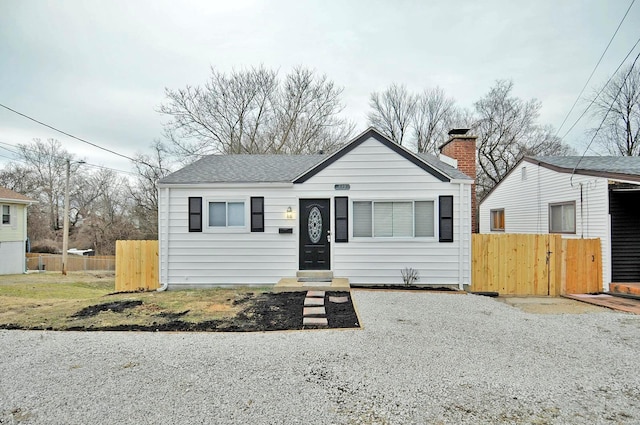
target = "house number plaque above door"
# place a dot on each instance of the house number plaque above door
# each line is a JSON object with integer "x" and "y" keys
{"x": 314, "y": 225}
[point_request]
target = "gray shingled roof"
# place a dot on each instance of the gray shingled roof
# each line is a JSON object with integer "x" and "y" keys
{"x": 443, "y": 167}
{"x": 268, "y": 169}
{"x": 601, "y": 164}
{"x": 244, "y": 169}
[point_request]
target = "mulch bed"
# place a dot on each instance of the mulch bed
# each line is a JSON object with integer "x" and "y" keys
{"x": 265, "y": 312}
{"x": 406, "y": 288}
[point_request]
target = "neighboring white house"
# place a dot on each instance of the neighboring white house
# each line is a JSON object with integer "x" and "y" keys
{"x": 13, "y": 231}
{"x": 578, "y": 197}
{"x": 365, "y": 212}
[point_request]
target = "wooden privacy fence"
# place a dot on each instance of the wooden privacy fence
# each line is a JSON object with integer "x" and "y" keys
{"x": 136, "y": 265}
{"x": 535, "y": 264}
{"x": 75, "y": 263}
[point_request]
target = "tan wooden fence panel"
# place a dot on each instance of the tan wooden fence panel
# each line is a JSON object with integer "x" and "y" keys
{"x": 513, "y": 264}
{"x": 583, "y": 266}
{"x": 136, "y": 265}
{"x": 535, "y": 264}
{"x": 75, "y": 263}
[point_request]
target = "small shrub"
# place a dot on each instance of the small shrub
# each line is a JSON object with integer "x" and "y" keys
{"x": 45, "y": 246}
{"x": 410, "y": 276}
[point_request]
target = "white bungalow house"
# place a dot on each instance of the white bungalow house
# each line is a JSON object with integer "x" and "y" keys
{"x": 589, "y": 197}
{"x": 13, "y": 231}
{"x": 364, "y": 212}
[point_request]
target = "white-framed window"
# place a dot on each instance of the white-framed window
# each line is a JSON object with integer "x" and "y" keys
{"x": 497, "y": 220}
{"x": 6, "y": 214}
{"x": 393, "y": 219}
{"x": 226, "y": 214}
{"x": 562, "y": 217}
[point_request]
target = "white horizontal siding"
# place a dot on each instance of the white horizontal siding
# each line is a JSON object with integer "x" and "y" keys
{"x": 373, "y": 171}
{"x": 12, "y": 258}
{"x": 526, "y": 205}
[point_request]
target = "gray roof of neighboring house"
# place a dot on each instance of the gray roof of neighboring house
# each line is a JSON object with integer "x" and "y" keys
{"x": 605, "y": 166}
{"x": 10, "y": 195}
{"x": 295, "y": 168}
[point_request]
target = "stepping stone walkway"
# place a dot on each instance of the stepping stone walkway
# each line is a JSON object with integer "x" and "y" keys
{"x": 314, "y": 313}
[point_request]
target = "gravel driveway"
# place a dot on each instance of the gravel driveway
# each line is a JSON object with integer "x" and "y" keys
{"x": 422, "y": 358}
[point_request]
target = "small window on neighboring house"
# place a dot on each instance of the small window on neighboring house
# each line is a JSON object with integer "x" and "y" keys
{"x": 524, "y": 173}
{"x": 497, "y": 220}
{"x": 226, "y": 214}
{"x": 562, "y": 217}
{"x": 257, "y": 214}
{"x": 6, "y": 214}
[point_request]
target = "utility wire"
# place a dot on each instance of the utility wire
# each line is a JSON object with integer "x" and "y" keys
{"x": 78, "y": 138}
{"x": 600, "y": 92}
{"x": 594, "y": 69}
{"x": 605, "y": 115}
{"x": 59, "y": 157}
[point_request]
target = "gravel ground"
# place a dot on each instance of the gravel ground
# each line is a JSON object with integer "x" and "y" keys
{"x": 421, "y": 358}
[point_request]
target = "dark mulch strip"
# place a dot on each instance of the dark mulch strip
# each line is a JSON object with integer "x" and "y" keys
{"x": 340, "y": 315}
{"x": 404, "y": 288}
{"x": 115, "y": 306}
{"x": 266, "y": 312}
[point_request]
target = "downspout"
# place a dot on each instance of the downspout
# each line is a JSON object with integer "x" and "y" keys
{"x": 460, "y": 240}
{"x": 581, "y": 215}
{"x": 164, "y": 281}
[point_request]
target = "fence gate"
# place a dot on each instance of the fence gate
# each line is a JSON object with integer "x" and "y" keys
{"x": 582, "y": 271}
{"x": 136, "y": 265}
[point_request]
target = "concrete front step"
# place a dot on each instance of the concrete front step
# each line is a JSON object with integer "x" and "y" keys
{"x": 314, "y": 274}
{"x": 291, "y": 284}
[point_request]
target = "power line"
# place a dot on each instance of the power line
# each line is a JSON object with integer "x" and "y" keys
{"x": 624, "y": 80}
{"x": 594, "y": 69}
{"x": 77, "y": 138}
{"x": 59, "y": 157}
{"x": 601, "y": 90}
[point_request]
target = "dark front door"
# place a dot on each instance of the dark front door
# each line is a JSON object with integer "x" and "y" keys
{"x": 314, "y": 234}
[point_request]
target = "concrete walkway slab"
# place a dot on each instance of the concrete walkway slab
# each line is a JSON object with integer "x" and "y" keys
{"x": 315, "y": 321}
{"x": 313, "y": 302}
{"x": 312, "y": 311}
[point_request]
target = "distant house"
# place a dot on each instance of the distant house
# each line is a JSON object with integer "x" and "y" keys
{"x": 364, "y": 213}
{"x": 590, "y": 197}
{"x": 13, "y": 231}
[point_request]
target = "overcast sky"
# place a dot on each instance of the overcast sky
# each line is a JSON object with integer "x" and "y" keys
{"x": 98, "y": 69}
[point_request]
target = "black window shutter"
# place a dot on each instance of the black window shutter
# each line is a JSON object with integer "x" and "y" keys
{"x": 257, "y": 214}
{"x": 195, "y": 214}
{"x": 446, "y": 218}
{"x": 342, "y": 219}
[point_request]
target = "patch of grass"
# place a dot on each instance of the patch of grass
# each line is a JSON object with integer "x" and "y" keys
{"x": 53, "y": 301}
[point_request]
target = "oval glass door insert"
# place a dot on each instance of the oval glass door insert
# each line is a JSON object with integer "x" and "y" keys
{"x": 314, "y": 225}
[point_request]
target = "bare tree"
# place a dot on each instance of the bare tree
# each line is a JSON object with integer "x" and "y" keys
{"x": 144, "y": 191}
{"x": 107, "y": 213}
{"x": 47, "y": 164}
{"x": 507, "y": 129}
{"x": 434, "y": 117}
{"x": 253, "y": 111}
{"x": 393, "y": 112}
{"x": 619, "y": 106}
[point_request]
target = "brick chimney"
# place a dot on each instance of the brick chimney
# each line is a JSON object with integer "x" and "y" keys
{"x": 462, "y": 148}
